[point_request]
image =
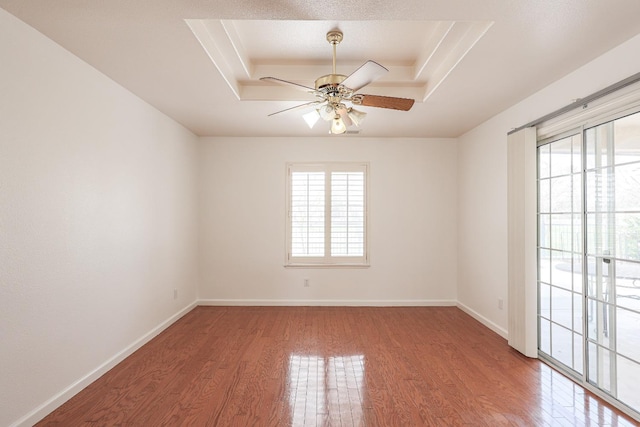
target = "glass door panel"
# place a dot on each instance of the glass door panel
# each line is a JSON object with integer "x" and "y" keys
{"x": 612, "y": 203}
{"x": 560, "y": 251}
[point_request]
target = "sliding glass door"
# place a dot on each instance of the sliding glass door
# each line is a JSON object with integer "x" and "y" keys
{"x": 589, "y": 255}
{"x": 560, "y": 250}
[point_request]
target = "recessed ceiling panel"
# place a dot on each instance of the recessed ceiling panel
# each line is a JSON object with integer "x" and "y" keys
{"x": 295, "y": 41}
{"x": 418, "y": 54}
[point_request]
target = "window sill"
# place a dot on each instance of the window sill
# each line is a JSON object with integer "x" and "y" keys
{"x": 301, "y": 265}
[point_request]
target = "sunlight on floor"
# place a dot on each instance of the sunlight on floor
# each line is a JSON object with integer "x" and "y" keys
{"x": 326, "y": 389}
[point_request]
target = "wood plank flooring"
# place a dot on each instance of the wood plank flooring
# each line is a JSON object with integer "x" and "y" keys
{"x": 332, "y": 366}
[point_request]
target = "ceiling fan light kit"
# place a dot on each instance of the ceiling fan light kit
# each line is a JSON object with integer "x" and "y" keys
{"x": 333, "y": 90}
{"x": 337, "y": 125}
{"x": 356, "y": 116}
{"x": 311, "y": 118}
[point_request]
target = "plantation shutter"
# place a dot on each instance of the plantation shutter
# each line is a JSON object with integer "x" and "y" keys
{"x": 327, "y": 214}
{"x": 347, "y": 213}
{"x": 307, "y": 214}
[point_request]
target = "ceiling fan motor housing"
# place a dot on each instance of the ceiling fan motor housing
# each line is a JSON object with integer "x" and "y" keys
{"x": 330, "y": 83}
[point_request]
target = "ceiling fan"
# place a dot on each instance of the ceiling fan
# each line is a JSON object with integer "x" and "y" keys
{"x": 333, "y": 90}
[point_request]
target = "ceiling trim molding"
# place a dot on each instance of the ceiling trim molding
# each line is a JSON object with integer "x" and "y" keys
{"x": 447, "y": 43}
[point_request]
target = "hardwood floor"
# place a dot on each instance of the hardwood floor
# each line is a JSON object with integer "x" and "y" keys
{"x": 332, "y": 366}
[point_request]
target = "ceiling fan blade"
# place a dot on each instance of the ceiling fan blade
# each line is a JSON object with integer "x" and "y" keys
{"x": 368, "y": 72}
{"x": 299, "y": 107}
{"x": 290, "y": 84}
{"x": 403, "y": 104}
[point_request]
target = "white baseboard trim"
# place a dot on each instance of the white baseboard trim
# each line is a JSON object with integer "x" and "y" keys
{"x": 486, "y": 322}
{"x": 341, "y": 303}
{"x": 47, "y": 407}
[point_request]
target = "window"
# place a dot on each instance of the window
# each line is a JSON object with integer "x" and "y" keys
{"x": 327, "y": 214}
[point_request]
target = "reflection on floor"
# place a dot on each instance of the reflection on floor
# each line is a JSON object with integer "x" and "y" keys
{"x": 326, "y": 390}
{"x": 564, "y": 403}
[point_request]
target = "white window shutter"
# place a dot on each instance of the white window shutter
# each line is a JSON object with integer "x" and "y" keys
{"x": 347, "y": 213}
{"x": 327, "y": 214}
{"x": 307, "y": 214}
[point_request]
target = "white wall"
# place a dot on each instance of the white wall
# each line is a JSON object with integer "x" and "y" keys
{"x": 98, "y": 222}
{"x": 482, "y": 181}
{"x": 412, "y": 218}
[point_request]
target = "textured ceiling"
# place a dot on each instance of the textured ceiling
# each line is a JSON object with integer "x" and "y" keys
{"x": 503, "y": 51}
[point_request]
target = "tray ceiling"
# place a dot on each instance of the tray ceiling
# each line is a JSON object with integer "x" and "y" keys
{"x": 479, "y": 57}
{"x": 418, "y": 54}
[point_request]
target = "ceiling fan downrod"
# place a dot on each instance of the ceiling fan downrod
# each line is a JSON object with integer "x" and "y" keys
{"x": 334, "y": 37}
{"x": 329, "y": 84}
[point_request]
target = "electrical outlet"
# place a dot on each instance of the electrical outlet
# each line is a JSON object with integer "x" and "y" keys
{"x": 175, "y": 294}
{"x": 500, "y": 303}
{"x": 306, "y": 283}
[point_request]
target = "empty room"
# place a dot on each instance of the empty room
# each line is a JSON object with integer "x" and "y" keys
{"x": 285, "y": 213}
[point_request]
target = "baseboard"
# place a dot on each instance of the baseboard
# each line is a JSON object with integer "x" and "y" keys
{"x": 342, "y": 303}
{"x": 486, "y": 322}
{"x": 50, "y": 405}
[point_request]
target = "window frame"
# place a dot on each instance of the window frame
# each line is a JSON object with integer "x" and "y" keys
{"x": 327, "y": 260}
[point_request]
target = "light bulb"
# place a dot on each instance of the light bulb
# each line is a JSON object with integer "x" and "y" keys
{"x": 337, "y": 125}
